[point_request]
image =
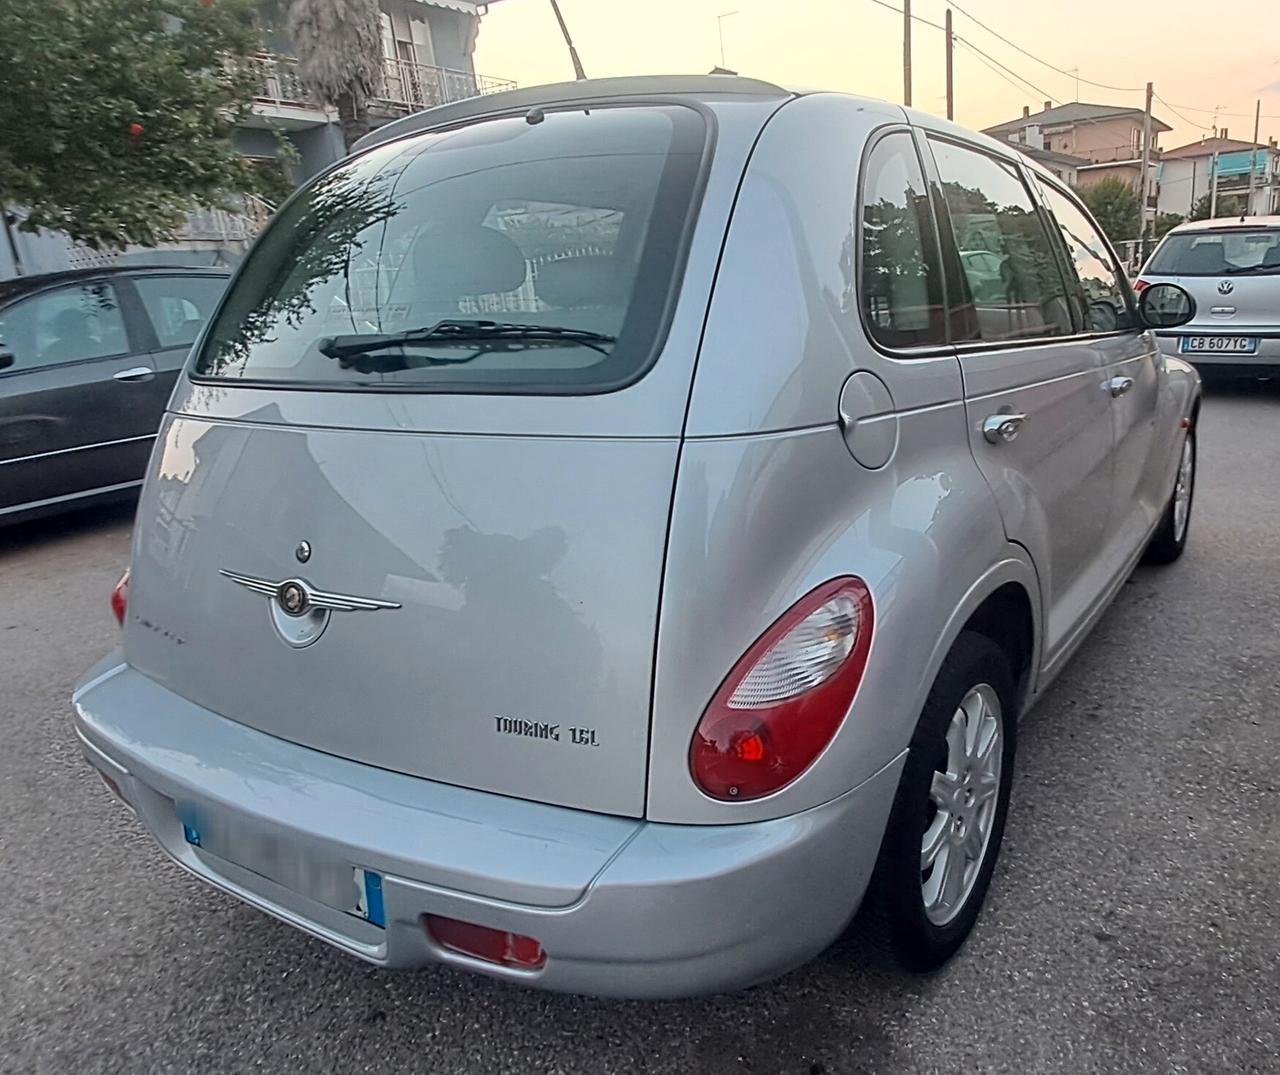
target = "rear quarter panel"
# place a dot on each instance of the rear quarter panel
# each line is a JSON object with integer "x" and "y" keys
{"x": 769, "y": 500}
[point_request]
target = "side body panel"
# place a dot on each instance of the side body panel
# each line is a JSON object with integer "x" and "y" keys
{"x": 770, "y": 500}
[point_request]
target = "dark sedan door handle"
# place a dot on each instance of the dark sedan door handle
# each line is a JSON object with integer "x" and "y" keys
{"x": 135, "y": 374}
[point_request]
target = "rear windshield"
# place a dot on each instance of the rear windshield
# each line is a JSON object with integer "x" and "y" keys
{"x": 1219, "y": 253}
{"x": 523, "y": 254}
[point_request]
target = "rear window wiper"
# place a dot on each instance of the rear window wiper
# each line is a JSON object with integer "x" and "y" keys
{"x": 460, "y": 331}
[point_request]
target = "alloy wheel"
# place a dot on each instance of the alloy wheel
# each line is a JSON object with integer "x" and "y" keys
{"x": 963, "y": 800}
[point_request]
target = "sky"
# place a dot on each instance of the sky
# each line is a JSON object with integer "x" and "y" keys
{"x": 1198, "y": 55}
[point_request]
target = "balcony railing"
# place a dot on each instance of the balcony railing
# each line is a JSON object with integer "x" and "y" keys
{"x": 405, "y": 87}
{"x": 279, "y": 82}
{"x": 409, "y": 87}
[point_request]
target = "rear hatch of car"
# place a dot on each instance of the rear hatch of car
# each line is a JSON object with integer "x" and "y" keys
{"x": 411, "y": 507}
{"x": 1233, "y": 273}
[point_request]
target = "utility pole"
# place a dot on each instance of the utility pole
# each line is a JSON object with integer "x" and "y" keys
{"x": 578, "y": 72}
{"x": 906, "y": 52}
{"x": 1213, "y": 188}
{"x": 1253, "y": 160}
{"x": 951, "y": 86}
{"x": 1144, "y": 181}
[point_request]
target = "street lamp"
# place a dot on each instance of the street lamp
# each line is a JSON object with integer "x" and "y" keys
{"x": 720, "y": 26}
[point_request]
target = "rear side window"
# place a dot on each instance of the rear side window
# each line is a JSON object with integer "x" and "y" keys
{"x": 901, "y": 284}
{"x": 507, "y": 256}
{"x": 69, "y": 324}
{"x": 1240, "y": 251}
{"x": 179, "y": 305}
{"x": 1007, "y": 262}
{"x": 1101, "y": 297}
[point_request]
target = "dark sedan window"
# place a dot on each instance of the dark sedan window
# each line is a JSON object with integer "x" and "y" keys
{"x": 68, "y": 324}
{"x": 179, "y": 305}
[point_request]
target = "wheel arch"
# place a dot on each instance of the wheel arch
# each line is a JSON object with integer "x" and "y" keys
{"x": 1003, "y": 605}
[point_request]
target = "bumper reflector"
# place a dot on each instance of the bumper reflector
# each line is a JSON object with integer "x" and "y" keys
{"x": 481, "y": 942}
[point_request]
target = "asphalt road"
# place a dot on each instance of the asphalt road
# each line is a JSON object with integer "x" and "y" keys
{"x": 1134, "y": 924}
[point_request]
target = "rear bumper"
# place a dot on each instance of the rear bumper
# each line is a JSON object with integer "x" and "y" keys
{"x": 622, "y": 907}
{"x": 1266, "y": 358}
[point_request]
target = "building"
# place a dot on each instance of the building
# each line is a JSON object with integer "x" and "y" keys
{"x": 1186, "y": 174}
{"x": 1065, "y": 166}
{"x": 427, "y": 59}
{"x": 1107, "y": 138}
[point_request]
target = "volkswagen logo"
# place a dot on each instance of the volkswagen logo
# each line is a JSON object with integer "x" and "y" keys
{"x": 1226, "y": 287}
{"x": 293, "y": 598}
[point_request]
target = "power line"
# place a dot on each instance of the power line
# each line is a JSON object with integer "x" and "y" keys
{"x": 989, "y": 60}
{"x": 964, "y": 45}
{"x": 1189, "y": 122}
{"x": 1046, "y": 63}
{"x": 939, "y": 26}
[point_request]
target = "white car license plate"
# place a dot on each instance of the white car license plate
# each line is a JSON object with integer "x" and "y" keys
{"x": 1219, "y": 345}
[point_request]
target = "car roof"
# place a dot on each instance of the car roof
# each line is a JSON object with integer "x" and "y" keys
{"x": 22, "y": 285}
{"x": 590, "y": 89}
{"x": 1227, "y": 224}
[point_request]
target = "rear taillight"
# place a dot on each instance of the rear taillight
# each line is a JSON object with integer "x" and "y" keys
{"x": 786, "y": 698}
{"x": 120, "y": 598}
{"x": 483, "y": 942}
{"x": 1139, "y": 286}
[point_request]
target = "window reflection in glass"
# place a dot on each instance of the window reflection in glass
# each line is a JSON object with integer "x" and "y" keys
{"x": 900, "y": 286}
{"x": 1104, "y": 306}
{"x": 1005, "y": 255}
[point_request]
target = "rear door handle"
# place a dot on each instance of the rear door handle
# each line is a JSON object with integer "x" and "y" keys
{"x": 1118, "y": 386}
{"x": 1000, "y": 428}
{"x": 135, "y": 374}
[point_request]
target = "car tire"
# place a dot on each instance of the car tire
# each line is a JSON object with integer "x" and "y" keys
{"x": 904, "y": 912}
{"x": 1170, "y": 537}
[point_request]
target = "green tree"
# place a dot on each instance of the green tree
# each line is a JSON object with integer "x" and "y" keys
{"x": 1114, "y": 204}
{"x": 339, "y": 47}
{"x": 1228, "y": 205}
{"x": 1166, "y": 222}
{"x": 116, "y": 115}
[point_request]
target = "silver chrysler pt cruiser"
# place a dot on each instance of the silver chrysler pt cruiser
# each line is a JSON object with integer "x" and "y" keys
{"x": 608, "y": 534}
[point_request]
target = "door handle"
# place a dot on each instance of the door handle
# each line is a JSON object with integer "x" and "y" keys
{"x": 1002, "y": 427}
{"x": 135, "y": 374}
{"x": 1118, "y": 386}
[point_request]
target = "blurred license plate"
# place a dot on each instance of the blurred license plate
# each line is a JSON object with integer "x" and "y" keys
{"x": 1219, "y": 345}
{"x": 305, "y": 870}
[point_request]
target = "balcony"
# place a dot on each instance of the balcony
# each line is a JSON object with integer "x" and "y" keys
{"x": 282, "y": 99}
{"x": 410, "y": 87}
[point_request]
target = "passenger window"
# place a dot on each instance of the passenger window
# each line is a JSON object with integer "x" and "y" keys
{"x": 1006, "y": 258}
{"x": 901, "y": 285}
{"x": 1103, "y": 301}
{"x": 66, "y": 325}
{"x": 179, "y": 305}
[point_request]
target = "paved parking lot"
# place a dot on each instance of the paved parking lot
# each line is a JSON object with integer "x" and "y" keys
{"x": 1134, "y": 924}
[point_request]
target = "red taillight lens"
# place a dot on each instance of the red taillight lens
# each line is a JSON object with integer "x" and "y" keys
{"x": 120, "y": 598}
{"x": 482, "y": 942}
{"x": 1139, "y": 286}
{"x": 786, "y": 698}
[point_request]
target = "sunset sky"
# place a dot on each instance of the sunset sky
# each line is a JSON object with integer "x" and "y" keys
{"x": 1197, "y": 55}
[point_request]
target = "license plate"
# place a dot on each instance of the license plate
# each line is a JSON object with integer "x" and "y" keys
{"x": 330, "y": 881}
{"x": 1219, "y": 345}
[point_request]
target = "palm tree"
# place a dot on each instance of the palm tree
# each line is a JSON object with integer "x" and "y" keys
{"x": 339, "y": 49}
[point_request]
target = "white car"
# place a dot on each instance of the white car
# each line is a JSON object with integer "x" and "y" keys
{"x": 1232, "y": 269}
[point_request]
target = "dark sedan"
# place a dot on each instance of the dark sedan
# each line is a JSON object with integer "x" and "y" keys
{"x": 87, "y": 361}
